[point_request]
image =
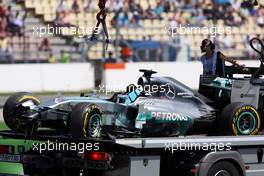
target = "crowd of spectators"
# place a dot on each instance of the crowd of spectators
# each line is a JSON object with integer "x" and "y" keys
{"x": 10, "y": 25}
{"x": 193, "y": 12}
{"x": 131, "y": 13}
{"x": 12, "y": 33}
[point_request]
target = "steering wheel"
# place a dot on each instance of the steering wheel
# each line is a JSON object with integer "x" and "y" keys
{"x": 147, "y": 73}
{"x": 261, "y": 51}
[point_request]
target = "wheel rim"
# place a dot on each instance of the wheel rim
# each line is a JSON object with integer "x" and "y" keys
{"x": 246, "y": 123}
{"x": 222, "y": 173}
{"x": 94, "y": 125}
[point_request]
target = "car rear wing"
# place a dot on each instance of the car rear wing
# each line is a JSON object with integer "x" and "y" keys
{"x": 231, "y": 70}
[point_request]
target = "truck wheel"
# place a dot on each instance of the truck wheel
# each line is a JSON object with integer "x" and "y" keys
{"x": 70, "y": 172}
{"x": 239, "y": 119}
{"x": 223, "y": 168}
{"x": 11, "y": 113}
{"x": 86, "y": 121}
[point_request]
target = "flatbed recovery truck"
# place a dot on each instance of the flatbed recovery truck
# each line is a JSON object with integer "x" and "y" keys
{"x": 181, "y": 156}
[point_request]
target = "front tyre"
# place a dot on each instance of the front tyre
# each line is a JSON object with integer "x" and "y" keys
{"x": 12, "y": 113}
{"x": 86, "y": 121}
{"x": 239, "y": 119}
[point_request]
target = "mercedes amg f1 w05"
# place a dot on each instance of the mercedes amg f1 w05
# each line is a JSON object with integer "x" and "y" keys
{"x": 158, "y": 106}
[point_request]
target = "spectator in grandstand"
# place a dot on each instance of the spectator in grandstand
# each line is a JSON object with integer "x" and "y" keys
{"x": 45, "y": 45}
{"x": 260, "y": 17}
{"x": 167, "y": 6}
{"x": 149, "y": 14}
{"x": 75, "y": 7}
{"x": 90, "y": 6}
{"x": 134, "y": 22}
{"x": 3, "y": 26}
{"x": 17, "y": 20}
{"x": 140, "y": 10}
{"x": 228, "y": 41}
{"x": 208, "y": 11}
{"x": 118, "y": 4}
{"x": 125, "y": 19}
{"x": 158, "y": 10}
{"x": 198, "y": 17}
{"x": 65, "y": 57}
{"x": 62, "y": 9}
{"x": 6, "y": 54}
{"x": 2, "y": 9}
{"x": 63, "y": 21}
{"x": 214, "y": 61}
{"x": 9, "y": 14}
{"x": 52, "y": 58}
{"x": 15, "y": 25}
{"x": 179, "y": 4}
{"x": 117, "y": 19}
{"x": 236, "y": 5}
{"x": 233, "y": 19}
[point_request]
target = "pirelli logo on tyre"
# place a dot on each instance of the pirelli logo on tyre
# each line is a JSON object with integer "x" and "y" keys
{"x": 246, "y": 121}
{"x": 93, "y": 114}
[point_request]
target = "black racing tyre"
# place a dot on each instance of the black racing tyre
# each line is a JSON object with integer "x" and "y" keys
{"x": 239, "y": 119}
{"x": 86, "y": 121}
{"x": 223, "y": 168}
{"x": 11, "y": 118}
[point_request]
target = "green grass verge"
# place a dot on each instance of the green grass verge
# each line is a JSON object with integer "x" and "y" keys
{"x": 3, "y": 126}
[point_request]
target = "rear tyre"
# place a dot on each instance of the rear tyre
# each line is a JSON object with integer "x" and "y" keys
{"x": 239, "y": 119}
{"x": 223, "y": 168}
{"x": 11, "y": 113}
{"x": 86, "y": 121}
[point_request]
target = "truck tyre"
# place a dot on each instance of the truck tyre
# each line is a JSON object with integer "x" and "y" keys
{"x": 70, "y": 172}
{"x": 86, "y": 121}
{"x": 12, "y": 118}
{"x": 239, "y": 119}
{"x": 223, "y": 168}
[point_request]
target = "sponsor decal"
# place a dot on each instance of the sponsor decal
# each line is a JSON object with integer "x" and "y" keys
{"x": 169, "y": 116}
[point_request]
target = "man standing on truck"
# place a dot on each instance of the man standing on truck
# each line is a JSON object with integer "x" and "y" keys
{"x": 214, "y": 61}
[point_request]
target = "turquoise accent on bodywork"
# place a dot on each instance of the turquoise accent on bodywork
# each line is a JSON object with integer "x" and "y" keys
{"x": 183, "y": 125}
{"x": 222, "y": 83}
{"x": 132, "y": 96}
{"x": 144, "y": 116}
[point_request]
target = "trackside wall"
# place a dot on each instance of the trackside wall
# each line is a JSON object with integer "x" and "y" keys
{"x": 46, "y": 77}
{"x": 80, "y": 76}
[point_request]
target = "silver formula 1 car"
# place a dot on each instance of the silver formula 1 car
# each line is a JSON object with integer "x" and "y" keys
{"x": 157, "y": 106}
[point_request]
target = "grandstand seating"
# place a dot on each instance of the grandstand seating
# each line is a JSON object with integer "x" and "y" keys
{"x": 46, "y": 10}
{"x": 154, "y": 27}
